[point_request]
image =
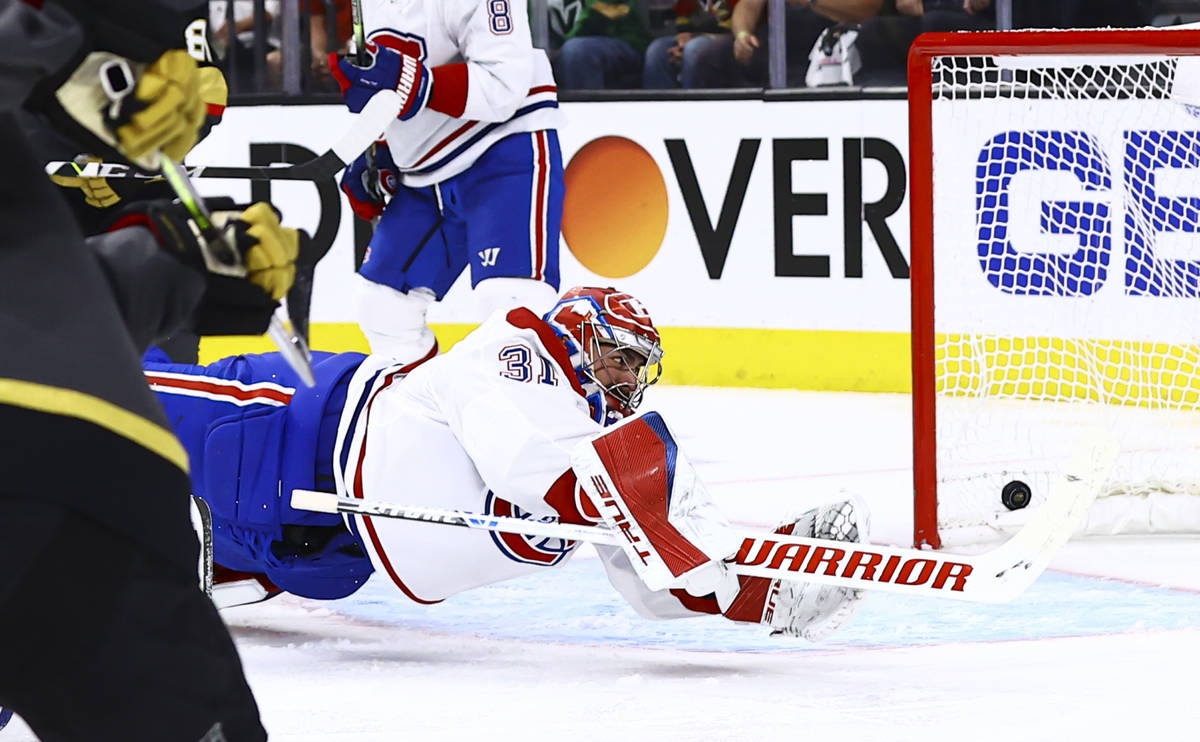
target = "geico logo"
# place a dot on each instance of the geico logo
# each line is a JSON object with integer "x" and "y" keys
{"x": 860, "y": 564}
{"x": 1152, "y": 162}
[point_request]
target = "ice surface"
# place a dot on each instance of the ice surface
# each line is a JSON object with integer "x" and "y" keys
{"x": 1103, "y": 647}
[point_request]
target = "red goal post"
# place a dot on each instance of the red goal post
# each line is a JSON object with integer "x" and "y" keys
{"x": 1018, "y": 100}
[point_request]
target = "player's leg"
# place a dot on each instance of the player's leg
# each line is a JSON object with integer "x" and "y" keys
{"x": 247, "y": 437}
{"x": 149, "y": 659}
{"x": 511, "y": 204}
{"x": 692, "y": 60}
{"x": 407, "y": 267}
{"x": 195, "y": 397}
{"x": 659, "y": 71}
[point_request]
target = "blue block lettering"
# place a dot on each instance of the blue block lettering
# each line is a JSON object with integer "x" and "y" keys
{"x": 1019, "y": 272}
{"x": 1147, "y": 214}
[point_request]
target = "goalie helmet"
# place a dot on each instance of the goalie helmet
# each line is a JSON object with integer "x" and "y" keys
{"x": 602, "y": 328}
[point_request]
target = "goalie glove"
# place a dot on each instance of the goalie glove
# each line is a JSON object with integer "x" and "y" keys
{"x": 231, "y": 305}
{"x": 804, "y": 609}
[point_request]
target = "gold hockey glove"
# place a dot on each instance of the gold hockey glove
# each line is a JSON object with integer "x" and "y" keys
{"x": 271, "y": 259}
{"x": 231, "y": 305}
{"x": 165, "y": 111}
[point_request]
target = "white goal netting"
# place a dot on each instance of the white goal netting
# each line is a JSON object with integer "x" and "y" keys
{"x": 1066, "y": 264}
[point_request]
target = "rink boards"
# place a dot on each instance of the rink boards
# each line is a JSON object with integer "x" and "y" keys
{"x": 737, "y": 222}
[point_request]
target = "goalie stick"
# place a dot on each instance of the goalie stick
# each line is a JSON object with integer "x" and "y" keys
{"x": 368, "y": 124}
{"x": 994, "y": 576}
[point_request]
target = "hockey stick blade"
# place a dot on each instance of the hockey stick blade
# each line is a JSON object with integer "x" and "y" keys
{"x": 368, "y": 125}
{"x": 201, "y": 516}
{"x": 1016, "y": 563}
{"x": 242, "y": 592}
{"x": 995, "y": 576}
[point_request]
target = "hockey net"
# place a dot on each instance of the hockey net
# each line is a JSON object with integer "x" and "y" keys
{"x": 1055, "y": 273}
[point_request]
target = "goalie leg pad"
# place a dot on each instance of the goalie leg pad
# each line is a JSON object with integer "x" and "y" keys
{"x": 646, "y": 489}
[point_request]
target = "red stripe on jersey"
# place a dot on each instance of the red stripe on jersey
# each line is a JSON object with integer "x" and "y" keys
{"x": 542, "y": 153}
{"x": 219, "y": 388}
{"x": 388, "y": 565}
{"x": 463, "y": 129}
{"x": 358, "y": 487}
{"x": 442, "y": 144}
{"x": 527, "y": 320}
{"x": 216, "y": 109}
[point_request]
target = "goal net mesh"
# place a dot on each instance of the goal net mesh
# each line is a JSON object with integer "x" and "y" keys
{"x": 1066, "y": 264}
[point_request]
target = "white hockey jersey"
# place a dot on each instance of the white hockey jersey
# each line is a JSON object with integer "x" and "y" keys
{"x": 487, "y": 427}
{"x": 509, "y": 84}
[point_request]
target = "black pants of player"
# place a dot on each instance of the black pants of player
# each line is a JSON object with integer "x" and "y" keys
{"x": 101, "y": 640}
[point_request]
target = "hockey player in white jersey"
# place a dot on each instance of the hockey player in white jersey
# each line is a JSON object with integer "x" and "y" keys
{"x": 471, "y": 168}
{"x": 495, "y": 426}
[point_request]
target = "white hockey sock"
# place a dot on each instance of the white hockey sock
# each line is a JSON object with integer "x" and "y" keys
{"x": 501, "y": 293}
{"x": 394, "y": 321}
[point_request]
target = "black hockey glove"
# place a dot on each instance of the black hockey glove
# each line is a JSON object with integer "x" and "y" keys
{"x": 232, "y": 305}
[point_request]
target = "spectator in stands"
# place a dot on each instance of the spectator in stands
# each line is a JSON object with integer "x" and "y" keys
{"x": 883, "y": 41}
{"x": 671, "y": 60}
{"x": 561, "y": 16}
{"x": 740, "y": 59}
{"x": 325, "y": 34}
{"x": 240, "y": 64}
{"x": 328, "y": 35}
{"x": 604, "y": 48}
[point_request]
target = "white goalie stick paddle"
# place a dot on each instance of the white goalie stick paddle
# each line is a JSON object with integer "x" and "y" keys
{"x": 994, "y": 576}
{"x": 368, "y": 124}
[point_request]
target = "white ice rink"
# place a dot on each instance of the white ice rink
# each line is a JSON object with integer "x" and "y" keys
{"x": 1103, "y": 647}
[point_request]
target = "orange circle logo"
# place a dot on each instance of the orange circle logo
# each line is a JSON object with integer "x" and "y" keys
{"x": 615, "y": 207}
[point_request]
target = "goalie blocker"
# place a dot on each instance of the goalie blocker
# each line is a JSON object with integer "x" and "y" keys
{"x": 675, "y": 538}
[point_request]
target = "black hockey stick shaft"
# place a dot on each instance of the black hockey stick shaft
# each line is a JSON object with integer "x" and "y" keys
{"x": 368, "y": 124}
